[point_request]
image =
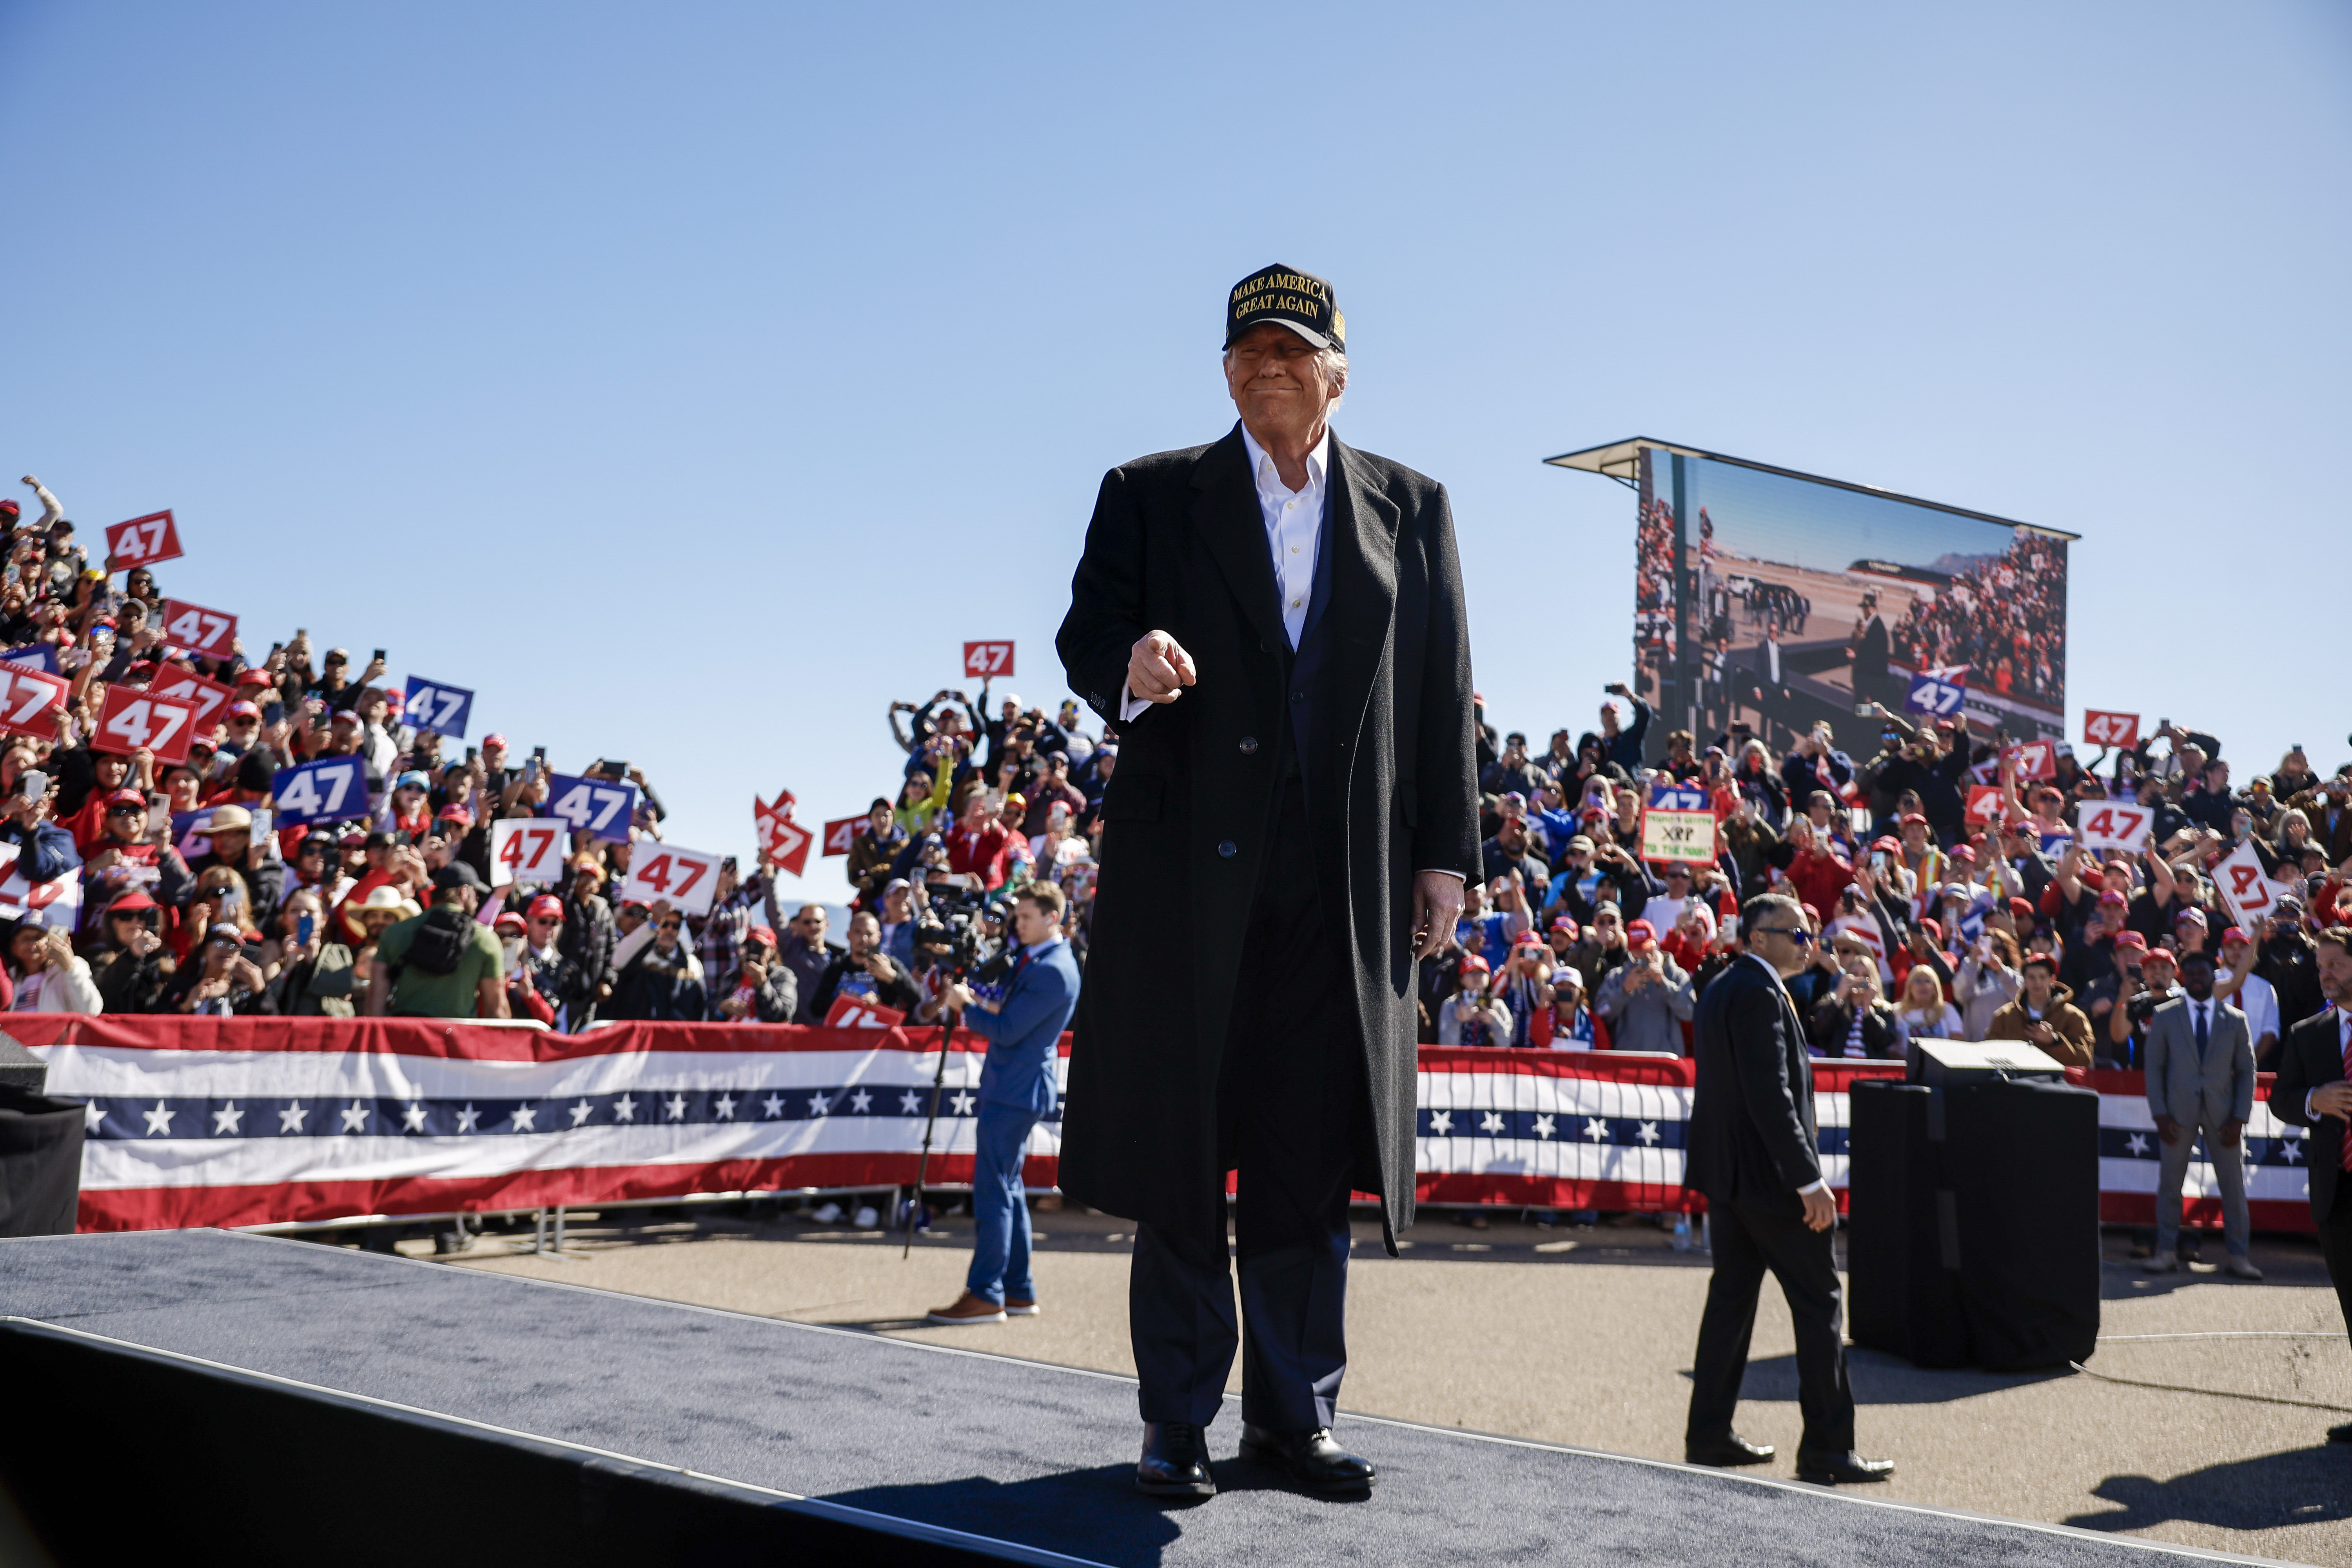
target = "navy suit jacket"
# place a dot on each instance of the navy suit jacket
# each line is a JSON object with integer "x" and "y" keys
{"x": 1024, "y": 1034}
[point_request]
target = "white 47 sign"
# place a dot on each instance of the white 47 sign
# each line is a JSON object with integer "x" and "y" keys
{"x": 2245, "y": 887}
{"x": 529, "y": 850}
{"x": 2109, "y": 826}
{"x": 685, "y": 878}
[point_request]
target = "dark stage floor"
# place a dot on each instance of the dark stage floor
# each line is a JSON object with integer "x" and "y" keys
{"x": 1010, "y": 1450}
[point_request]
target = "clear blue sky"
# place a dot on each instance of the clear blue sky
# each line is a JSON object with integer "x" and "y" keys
{"x": 691, "y": 380}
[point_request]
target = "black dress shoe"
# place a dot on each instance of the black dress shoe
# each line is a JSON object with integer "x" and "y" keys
{"x": 2341, "y": 1433}
{"x": 1311, "y": 1459}
{"x": 1731, "y": 1448}
{"x": 1834, "y": 1469}
{"x": 1175, "y": 1461}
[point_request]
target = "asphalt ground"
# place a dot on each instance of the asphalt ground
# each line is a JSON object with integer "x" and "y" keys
{"x": 1582, "y": 1336}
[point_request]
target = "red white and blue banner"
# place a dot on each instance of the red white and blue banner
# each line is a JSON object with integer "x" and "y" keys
{"x": 230, "y": 1121}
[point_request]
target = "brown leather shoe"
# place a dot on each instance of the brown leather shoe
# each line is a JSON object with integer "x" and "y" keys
{"x": 968, "y": 1308}
{"x": 1020, "y": 1307}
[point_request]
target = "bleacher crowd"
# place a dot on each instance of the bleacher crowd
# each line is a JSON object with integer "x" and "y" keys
{"x": 134, "y": 886}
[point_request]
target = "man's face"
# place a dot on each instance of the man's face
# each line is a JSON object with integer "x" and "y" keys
{"x": 2335, "y": 974}
{"x": 2158, "y": 970}
{"x": 665, "y": 932}
{"x": 878, "y": 820}
{"x": 1610, "y": 927}
{"x": 1106, "y": 763}
{"x": 894, "y": 903}
{"x": 2039, "y": 980}
{"x": 1032, "y": 924}
{"x": 1272, "y": 376}
{"x": 231, "y": 843}
{"x": 2197, "y": 978}
{"x": 864, "y": 935}
{"x": 810, "y": 923}
{"x": 544, "y": 929}
{"x": 1678, "y": 881}
{"x": 1512, "y": 834}
{"x": 494, "y": 757}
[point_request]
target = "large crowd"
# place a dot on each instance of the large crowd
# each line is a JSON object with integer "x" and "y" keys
{"x": 141, "y": 888}
{"x": 1926, "y": 925}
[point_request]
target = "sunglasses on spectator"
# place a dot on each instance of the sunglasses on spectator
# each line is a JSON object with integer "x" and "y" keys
{"x": 668, "y": 925}
{"x": 546, "y": 920}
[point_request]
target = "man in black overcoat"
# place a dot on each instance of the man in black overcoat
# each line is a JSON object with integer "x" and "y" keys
{"x": 2311, "y": 1091}
{"x": 1753, "y": 1149}
{"x": 1274, "y": 621}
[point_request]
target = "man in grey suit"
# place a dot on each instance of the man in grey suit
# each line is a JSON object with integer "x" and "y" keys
{"x": 2200, "y": 1066}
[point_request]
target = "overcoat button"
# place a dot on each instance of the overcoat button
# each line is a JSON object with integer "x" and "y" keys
{"x": 1249, "y": 745}
{"x": 1228, "y": 850}
{"x": 1298, "y": 697}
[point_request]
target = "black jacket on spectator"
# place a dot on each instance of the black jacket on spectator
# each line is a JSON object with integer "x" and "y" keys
{"x": 1832, "y": 1023}
{"x": 808, "y": 966}
{"x": 776, "y": 1001}
{"x": 655, "y": 990}
{"x": 898, "y": 994}
{"x": 2290, "y": 962}
{"x": 587, "y": 938}
{"x": 1386, "y": 756}
{"x": 128, "y": 984}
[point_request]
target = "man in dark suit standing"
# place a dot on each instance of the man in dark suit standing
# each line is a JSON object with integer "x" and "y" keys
{"x": 1274, "y": 621}
{"x": 1753, "y": 1152}
{"x": 2311, "y": 1091}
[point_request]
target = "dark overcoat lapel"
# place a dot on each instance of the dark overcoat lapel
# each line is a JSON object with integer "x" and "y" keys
{"x": 1178, "y": 544}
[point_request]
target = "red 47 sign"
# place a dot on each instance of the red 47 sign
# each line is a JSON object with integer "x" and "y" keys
{"x": 685, "y": 878}
{"x": 982, "y": 659}
{"x": 848, "y": 1013}
{"x": 134, "y": 719}
{"x": 841, "y": 833}
{"x": 30, "y": 700}
{"x": 208, "y": 696}
{"x": 2036, "y": 759}
{"x": 209, "y": 631}
{"x": 1984, "y": 805}
{"x": 142, "y": 541}
{"x": 784, "y": 841}
{"x": 2110, "y": 826}
{"x": 2101, "y": 728}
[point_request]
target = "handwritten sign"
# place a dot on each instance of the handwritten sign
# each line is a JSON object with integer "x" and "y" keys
{"x": 1685, "y": 836}
{"x": 143, "y": 541}
{"x": 983, "y": 660}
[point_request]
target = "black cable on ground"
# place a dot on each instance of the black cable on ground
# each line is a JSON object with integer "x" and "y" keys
{"x": 2215, "y": 1392}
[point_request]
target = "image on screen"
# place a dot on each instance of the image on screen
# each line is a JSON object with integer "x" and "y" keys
{"x": 1803, "y": 600}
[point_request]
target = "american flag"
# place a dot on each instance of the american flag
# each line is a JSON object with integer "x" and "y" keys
{"x": 232, "y": 1121}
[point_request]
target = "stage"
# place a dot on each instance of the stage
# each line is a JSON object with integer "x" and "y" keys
{"x": 232, "y": 1396}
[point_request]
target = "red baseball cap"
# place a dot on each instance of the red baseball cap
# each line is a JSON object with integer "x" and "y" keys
{"x": 1962, "y": 852}
{"x": 244, "y": 710}
{"x": 1641, "y": 934}
{"x": 255, "y": 677}
{"x": 2132, "y": 939}
{"x": 1567, "y": 923}
{"x": 765, "y": 938}
{"x": 131, "y": 903}
{"x": 1527, "y": 939}
{"x": 2165, "y": 953}
{"x": 2235, "y": 933}
{"x": 2111, "y": 896}
{"x": 508, "y": 921}
{"x": 127, "y": 797}
{"x": 1932, "y": 928}
{"x": 1471, "y": 961}
{"x": 1908, "y": 817}
{"x": 2020, "y": 909}
{"x": 546, "y": 907}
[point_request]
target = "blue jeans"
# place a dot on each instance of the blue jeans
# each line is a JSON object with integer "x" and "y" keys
{"x": 999, "y": 1242}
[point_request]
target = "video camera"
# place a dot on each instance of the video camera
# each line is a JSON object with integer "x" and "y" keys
{"x": 951, "y": 934}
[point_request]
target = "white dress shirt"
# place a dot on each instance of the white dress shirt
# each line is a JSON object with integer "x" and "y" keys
{"x": 1819, "y": 1183}
{"x": 1293, "y": 530}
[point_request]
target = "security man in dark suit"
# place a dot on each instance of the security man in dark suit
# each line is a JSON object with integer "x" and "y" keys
{"x": 1274, "y": 621}
{"x": 1754, "y": 1153}
{"x": 2311, "y": 1091}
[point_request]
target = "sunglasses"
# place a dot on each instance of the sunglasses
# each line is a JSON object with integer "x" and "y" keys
{"x": 1797, "y": 935}
{"x": 668, "y": 925}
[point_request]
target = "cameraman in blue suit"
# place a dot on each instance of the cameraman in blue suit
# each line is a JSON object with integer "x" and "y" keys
{"x": 1024, "y": 1031}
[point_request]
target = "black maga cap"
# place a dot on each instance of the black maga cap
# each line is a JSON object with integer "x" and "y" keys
{"x": 1299, "y": 301}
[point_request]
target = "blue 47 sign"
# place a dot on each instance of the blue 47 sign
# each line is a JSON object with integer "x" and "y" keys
{"x": 437, "y": 706}
{"x": 1936, "y": 693}
{"x": 597, "y": 806}
{"x": 1677, "y": 797}
{"x": 333, "y": 789}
